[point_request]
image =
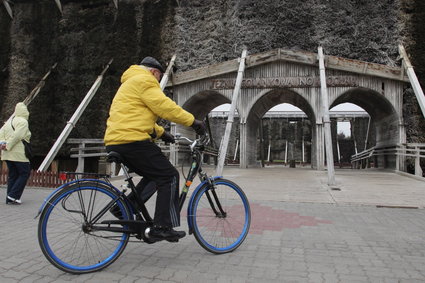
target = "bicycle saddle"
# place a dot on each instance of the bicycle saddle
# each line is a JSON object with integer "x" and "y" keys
{"x": 114, "y": 157}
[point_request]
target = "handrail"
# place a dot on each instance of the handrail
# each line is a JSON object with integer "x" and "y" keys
{"x": 400, "y": 151}
{"x": 96, "y": 148}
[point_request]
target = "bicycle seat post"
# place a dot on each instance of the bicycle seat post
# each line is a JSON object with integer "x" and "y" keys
{"x": 128, "y": 178}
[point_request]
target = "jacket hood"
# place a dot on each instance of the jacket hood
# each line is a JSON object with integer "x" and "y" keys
{"x": 134, "y": 70}
{"x": 21, "y": 110}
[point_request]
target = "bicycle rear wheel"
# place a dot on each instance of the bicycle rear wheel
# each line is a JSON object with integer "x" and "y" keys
{"x": 220, "y": 217}
{"x": 66, "y": 236}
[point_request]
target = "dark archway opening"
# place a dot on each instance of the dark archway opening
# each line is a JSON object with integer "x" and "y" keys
{"x": 284, "y": 139}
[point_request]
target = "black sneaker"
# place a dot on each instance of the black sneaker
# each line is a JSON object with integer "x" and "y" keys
{"x": 164, "y": 233}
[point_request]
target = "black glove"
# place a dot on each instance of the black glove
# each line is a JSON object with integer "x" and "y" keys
{"x": 168, "y": 138}
{"x": 199, "y": 127}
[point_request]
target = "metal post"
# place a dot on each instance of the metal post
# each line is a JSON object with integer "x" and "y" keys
{"x": 326, "y": 120}
{"x": 71, "y": 123}
{"x": 225, "y": 142}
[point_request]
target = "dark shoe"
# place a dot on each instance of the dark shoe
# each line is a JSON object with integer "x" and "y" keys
{"x": 168, "y": 234}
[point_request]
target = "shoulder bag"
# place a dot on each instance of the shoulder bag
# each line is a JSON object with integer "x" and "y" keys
{"x": 27, "y": 145}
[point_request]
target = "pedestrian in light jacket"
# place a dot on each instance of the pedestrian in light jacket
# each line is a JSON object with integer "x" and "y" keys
{"x": 13, "y": 152}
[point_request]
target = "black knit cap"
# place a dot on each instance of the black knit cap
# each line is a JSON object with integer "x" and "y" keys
{"x": 152, "y": 62}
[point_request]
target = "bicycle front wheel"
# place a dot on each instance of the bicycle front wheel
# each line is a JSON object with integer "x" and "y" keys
{"x": 221, "y": 216}
{"x": 66, "y": 234}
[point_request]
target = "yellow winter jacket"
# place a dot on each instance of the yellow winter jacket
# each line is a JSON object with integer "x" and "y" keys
{"x": 15, "y": 150}
{"x": 137, "y": 105}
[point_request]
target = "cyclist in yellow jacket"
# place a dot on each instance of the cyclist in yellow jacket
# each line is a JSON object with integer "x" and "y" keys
{"x": 130, "y": 130}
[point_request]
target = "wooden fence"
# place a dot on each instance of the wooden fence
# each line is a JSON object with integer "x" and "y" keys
{"x": 38, "y": 179}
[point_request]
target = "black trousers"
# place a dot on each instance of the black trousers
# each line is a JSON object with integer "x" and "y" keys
{"x": 146, "y": 159}
{"x": 19, "y": 173}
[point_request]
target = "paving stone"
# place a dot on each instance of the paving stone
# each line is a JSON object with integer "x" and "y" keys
{"x": 312, "y": 242}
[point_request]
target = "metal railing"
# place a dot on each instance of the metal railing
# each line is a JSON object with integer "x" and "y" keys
{"x": 96, "y": 148}
{"x": 403, "y": 154}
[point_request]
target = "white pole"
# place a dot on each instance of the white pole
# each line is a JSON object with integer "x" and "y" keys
{"x": 367, "y": 135}
{"x": 303, "y": 151}
{"x": 339, "y": 153}
{"x": 286, "y": 151}
{"x": 268, "y": 152}
{"x": 413, "y": 79}
{"x": 236, "y": 149}
{"x": 8, "y": 9}
{"x": 225, "y": 142}
{"x": 71, "y": 123}
{"x": 166, "y": 75}
{"x": 326, "y": 119}
{"x": 58, "y": 3}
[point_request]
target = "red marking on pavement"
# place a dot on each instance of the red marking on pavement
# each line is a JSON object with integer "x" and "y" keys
{"x": 263, "y": 218}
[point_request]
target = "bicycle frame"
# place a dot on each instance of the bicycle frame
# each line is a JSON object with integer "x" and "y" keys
{"x": 143, "y": 218}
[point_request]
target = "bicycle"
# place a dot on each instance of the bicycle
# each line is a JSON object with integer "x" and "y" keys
{"x": 78, "y": 234}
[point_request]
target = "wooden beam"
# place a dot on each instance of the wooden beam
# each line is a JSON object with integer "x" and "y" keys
{"x": 167, "y": 73}
{"x": 413, "y": 79}
{"x": 74, "y": 119}
{"x": 30, "y": 97}
{"x": 225, "y": 142}
{"x": 365, "y": 68}
{"x": 58, "y": 3}
{"x": 8, "y": 9}
{"x": 300, "y": 57}
{"x": 326, "y": 119}
{"x": 37, "y": 89}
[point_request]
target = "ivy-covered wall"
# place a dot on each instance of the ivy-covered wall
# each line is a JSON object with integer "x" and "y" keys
{"x": 200, "y": 32}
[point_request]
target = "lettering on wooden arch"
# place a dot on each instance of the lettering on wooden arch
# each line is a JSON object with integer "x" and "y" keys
{"x": 292, "y": 82}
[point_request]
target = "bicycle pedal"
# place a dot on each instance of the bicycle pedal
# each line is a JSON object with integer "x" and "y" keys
{"x": 151, "y": 241}
{"x": 174, "y": 240}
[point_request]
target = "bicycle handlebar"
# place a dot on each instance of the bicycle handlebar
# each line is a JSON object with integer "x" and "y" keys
{"x": 193, "y": 143}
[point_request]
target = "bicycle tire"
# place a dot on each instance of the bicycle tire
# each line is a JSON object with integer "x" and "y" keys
{"x": 215, "y": 232}
{"x": 60, "y": 230}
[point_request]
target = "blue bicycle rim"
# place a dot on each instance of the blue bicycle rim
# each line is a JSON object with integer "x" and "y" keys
{"x": 72, "y": 267}
{"x": 246, "y": 224}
